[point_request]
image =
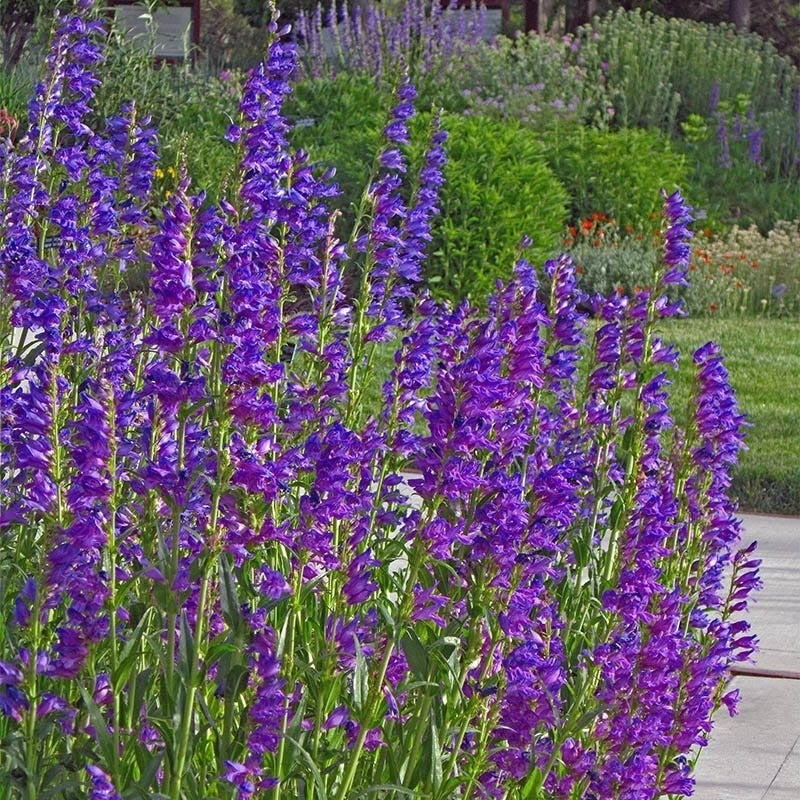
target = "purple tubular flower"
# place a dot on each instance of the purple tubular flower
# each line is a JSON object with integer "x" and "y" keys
{"x": 754, "y": 138}
{"x": 359, "y": 586}
{"x": 338, "y": 717}
{"x": 171, "y": 277}
{"x": 269, "y": 706}
{"x": 241, "y": 776}
{"x": 272, "y": 584}
{"x": 677, "y": 252}
{"x": 424, "y": 207}
{"x": 101, "y": 787}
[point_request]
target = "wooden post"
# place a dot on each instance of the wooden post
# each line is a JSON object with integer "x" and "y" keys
{"x": 532, "y": 12}
{"x": 537, "y": 13}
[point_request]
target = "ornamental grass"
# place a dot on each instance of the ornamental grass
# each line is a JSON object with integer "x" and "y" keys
{"x": 223, "y": 576}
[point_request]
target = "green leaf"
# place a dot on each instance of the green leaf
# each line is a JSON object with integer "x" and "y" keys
{"x": 228, "y": 596}
{"x": 381, "y": 788}
{"x": 415, "y": 654}
{"x": 100, "y": 725}
{"x": 437, "y": 771}
{"x": 360, "y": 678}
{"x": 141, "y": 685}
{"x": 130, "y": 653}
{"x": 148, "y": 768}
{"x": 235, "y": 682}
{"x": 533, "y": 785}
{"x": 616, "y": 514}
{"x": 187, "y": 651}
{"x": 322, "y": 793}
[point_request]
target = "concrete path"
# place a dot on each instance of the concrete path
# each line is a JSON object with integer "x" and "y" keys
{"x": 756, "y": 755}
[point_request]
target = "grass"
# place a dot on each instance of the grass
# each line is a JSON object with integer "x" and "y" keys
{"x": 763, "y": 358}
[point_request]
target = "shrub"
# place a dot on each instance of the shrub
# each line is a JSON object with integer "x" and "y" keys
{"x": 385, "y": 40}
{"x": 214, "y": 581}
{"x": 15, "y": 89}
{"x": 192, "y": 107}
{"x": 747, "y": 272}
{"x": 608, "y": 262}
{"x": 619, "y": 173}
{"x": 744, "y": 165}
{"x": 498, "y": 186}
{"x": 228, "y": 39}
{"x": 661, "y": 70}
{"x": 531, "y": 78}
{"x": 339, "y": 122}
{"x": 667, "y": 73}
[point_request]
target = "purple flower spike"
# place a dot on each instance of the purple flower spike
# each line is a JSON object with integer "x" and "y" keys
{"x": 677, "y": 252}
{"x": 101, "y": 786}
{"x": 396, "y": 132}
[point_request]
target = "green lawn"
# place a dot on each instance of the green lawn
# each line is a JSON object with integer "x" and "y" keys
{"x": 763, "y": 358}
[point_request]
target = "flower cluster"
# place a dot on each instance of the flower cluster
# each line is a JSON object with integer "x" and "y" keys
{"x": 379, "y": 40}
{"x": 224, "y": 573}
{"x": 746, "y": 272}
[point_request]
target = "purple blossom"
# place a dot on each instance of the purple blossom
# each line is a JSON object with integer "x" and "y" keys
{"x": 677, "y": 252}
{"x": 195, "y": 467}
{"x": 101, "y": 787}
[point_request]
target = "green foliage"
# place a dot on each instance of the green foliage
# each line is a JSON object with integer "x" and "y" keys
{"x": 498, "y": 185}
{"x": 621, "y": 266}
{"x": 230, "y": 35}
{"x": 763, "y": 359}
{"x": 498, "y": 188}
{"x": 196, "y": 131}
{"x": 620, "y": 173}
{"x": 744, "y": 166}
{"x": 192, "y": 108}
{"x": 339, "y": 122}
{"x": 531, "y": 78}
{"x": 661, "y": 70}
{"x": 16, "y": 86}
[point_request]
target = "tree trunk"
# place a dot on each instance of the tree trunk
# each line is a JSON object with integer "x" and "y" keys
{"x": 14, "y": 39}
{"x": 739, "y": 13}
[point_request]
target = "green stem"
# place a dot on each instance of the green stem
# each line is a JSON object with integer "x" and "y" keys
{"x": 187, "y": 715}
{"x": 32, "y": 745}
{"x": 111, "y": 550}
{"x": 288, "y": 668}
{"x": 358, "y": 749}
{"x": 175, "y": 552}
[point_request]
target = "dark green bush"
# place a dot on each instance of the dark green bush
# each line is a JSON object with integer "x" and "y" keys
{"x": 232, "y": 33}
{"x": 16, "y": 86}
{"x": 619, "y": 173}
{"x": 339, "y": 122}
{"x": 661, "y": 70}
{"x": 498, "y": 187}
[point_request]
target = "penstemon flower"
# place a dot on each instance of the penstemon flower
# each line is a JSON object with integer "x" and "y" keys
{"x": 225, "y": 573}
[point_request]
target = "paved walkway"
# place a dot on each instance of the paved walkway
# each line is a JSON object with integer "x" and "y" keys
{"x": 756, "y": 755}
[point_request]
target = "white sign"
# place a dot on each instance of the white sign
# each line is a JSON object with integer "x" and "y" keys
{"x": 168, "y": 32}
